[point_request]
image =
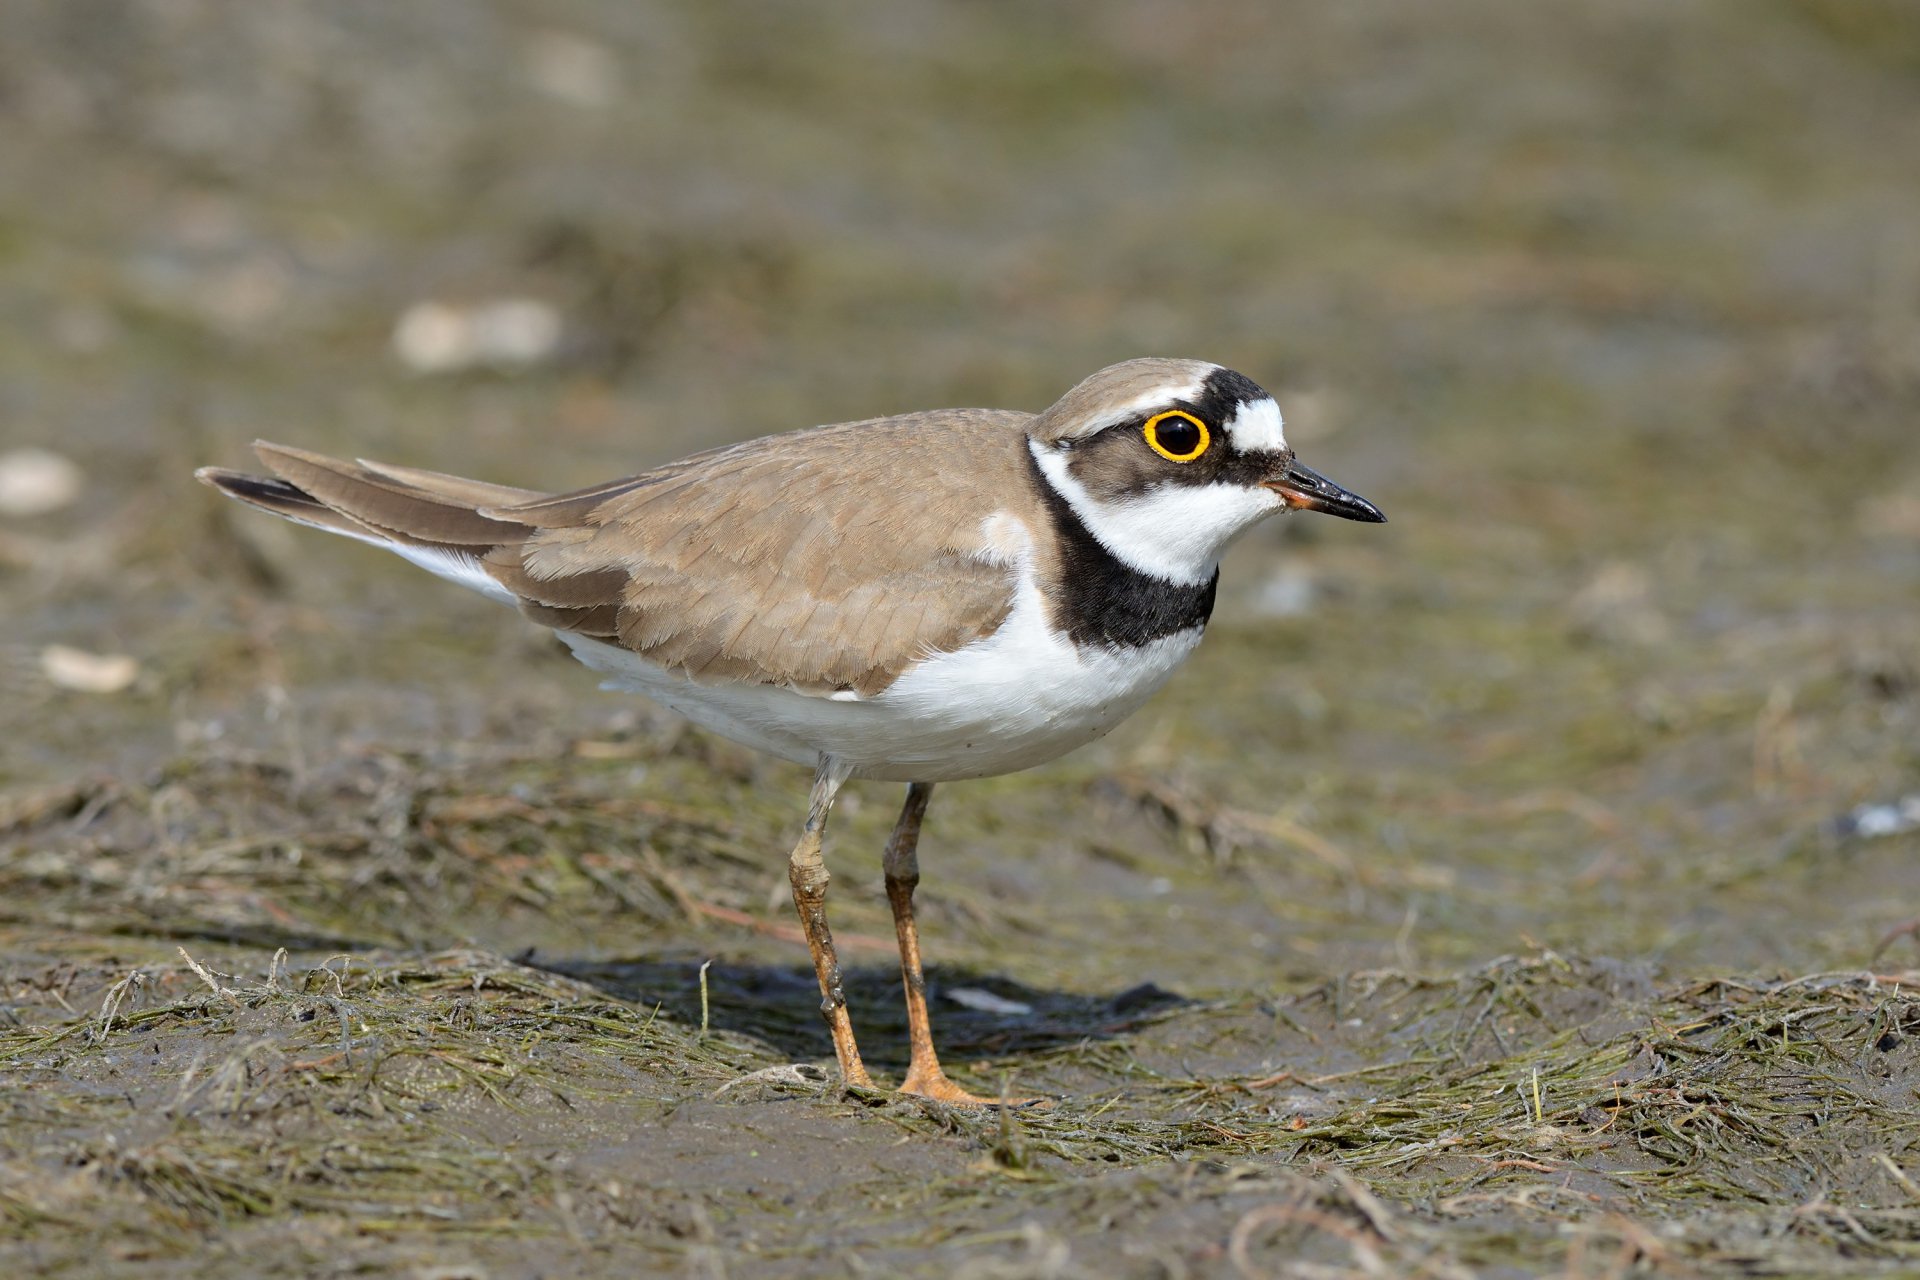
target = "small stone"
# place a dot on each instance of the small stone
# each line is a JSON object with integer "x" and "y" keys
{"x": 1877, "y": 821}
{"x": 36, "y": 481}
{"x": 85, "y": 672}
{"x": 508, "y": 333}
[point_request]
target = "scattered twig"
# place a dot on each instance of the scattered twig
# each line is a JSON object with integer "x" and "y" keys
{"x": 206, "y": 976}
{"x": 111, "y": 1002}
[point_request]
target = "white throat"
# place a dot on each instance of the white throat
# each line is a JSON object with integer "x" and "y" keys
{"x": 1174, "y": 532}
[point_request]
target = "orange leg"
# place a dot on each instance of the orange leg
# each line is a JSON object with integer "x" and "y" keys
{"x": 807, "y": 872}
{"x": 902, "y": 865}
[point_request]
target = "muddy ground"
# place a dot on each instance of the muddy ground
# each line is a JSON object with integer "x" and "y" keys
{"x": 1477, "y": 902}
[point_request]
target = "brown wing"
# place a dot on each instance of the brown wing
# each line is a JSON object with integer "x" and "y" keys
{"x": 827, "y": 560}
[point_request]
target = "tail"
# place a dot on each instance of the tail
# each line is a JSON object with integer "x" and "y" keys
{"x": 433, "y": 520}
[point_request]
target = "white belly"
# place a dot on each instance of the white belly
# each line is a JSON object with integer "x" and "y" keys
{"x": 1019, "y": 698}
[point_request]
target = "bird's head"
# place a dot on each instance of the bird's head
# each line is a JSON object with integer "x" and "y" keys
{"x": 1167, "y": 461}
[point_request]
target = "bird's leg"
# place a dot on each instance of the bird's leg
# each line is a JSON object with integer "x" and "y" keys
{"x": 902, "y": 865}
{"x": 807, "y": 872}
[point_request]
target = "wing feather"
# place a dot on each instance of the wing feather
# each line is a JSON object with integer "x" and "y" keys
{"x": 825, "y": 561}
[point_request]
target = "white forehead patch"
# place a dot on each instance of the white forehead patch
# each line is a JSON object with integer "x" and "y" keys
{"x": 1256, "y": 427}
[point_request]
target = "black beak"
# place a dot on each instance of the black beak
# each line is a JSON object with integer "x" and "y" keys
{"x": 1305, "y": 489}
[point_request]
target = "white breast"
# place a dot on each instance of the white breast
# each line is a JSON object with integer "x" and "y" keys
{"x": 1021, "y": 697}
{"x": 1018, "y": 698}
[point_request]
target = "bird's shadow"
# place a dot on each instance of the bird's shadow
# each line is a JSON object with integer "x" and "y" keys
{"x": 973, "y": 1013}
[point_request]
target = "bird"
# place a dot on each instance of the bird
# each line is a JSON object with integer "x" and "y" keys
{"x": 922, "y": 598}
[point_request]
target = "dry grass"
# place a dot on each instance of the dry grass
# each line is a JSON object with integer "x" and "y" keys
{"x": 1536, "y": 1106}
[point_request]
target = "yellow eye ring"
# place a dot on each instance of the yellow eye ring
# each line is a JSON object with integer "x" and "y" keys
{"x": 1193, "y": 449}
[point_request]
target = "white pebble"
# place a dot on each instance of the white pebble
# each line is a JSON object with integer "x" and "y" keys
{"x": 36, "y": 481}
{"x": 508, "y": 333}
{"x": 85, "y": 672}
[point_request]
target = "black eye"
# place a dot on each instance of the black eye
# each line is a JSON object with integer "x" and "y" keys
{"x": 1177, "y": 436}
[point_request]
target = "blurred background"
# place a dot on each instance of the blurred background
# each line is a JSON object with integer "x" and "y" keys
{"x": 1614, "y": 307}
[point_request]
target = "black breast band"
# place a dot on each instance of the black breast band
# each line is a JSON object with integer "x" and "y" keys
{"x": 1102, "y": 600}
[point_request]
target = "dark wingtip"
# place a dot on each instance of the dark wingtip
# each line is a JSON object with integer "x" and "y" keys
{"x": 250, "y": 488}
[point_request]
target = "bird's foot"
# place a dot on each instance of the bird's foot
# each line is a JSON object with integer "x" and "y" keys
{"x": 934, "y": 1084}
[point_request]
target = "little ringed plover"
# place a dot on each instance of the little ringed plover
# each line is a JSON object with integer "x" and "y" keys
{"x": 923, "y": 598}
